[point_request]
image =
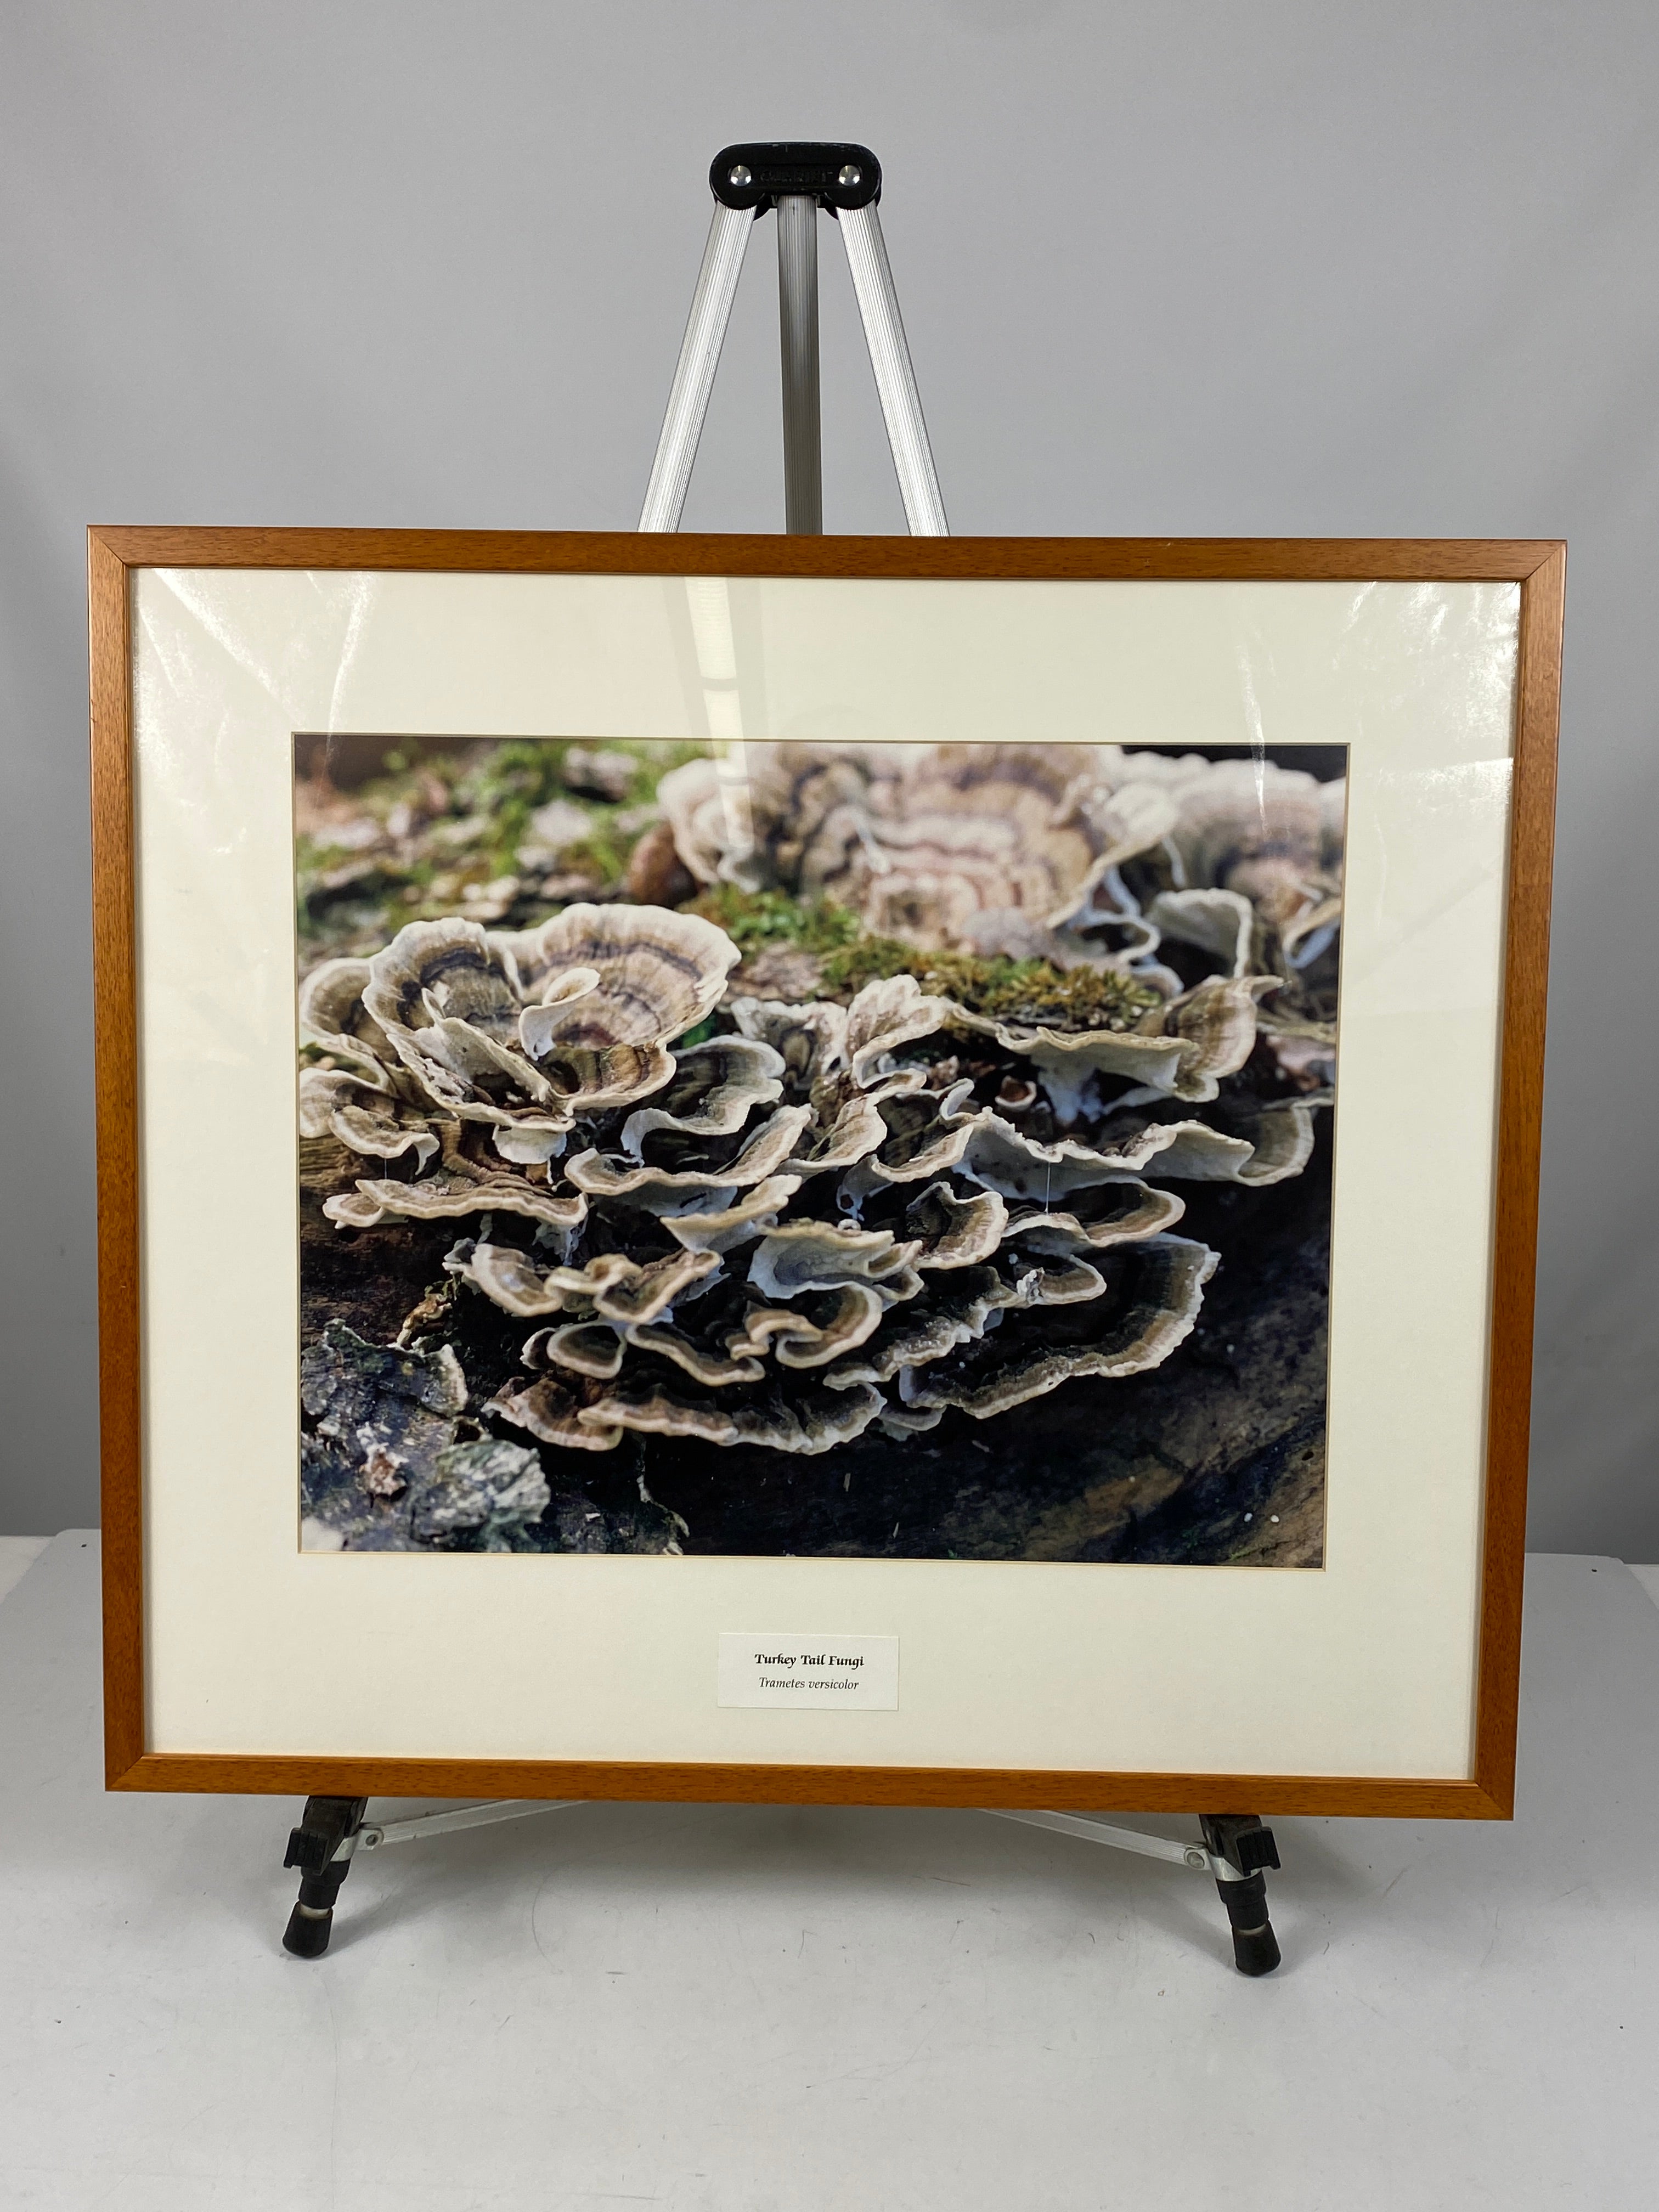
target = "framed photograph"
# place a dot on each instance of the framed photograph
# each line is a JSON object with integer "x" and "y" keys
{"x": 819, "y": 1169}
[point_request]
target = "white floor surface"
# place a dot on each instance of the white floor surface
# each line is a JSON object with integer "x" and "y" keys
{"x": 749, "y": 2009}
{"x": 17, "y": 1555}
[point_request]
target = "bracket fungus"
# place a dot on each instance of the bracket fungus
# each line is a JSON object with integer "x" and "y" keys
{"x": 690, "y": 1209}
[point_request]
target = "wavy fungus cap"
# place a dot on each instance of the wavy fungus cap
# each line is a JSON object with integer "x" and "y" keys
{"x": 1027, "y": 850}
{"x": 659, "y": 974}
{"x": 919, "y": 841}
{"x": 821, "y": 1217}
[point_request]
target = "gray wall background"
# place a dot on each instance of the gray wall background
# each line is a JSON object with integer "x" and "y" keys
{"x": 1381, "y": 268}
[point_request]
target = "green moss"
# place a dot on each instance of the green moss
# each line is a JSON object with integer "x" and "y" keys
{"x": 603, "y": 854}
{"x": 507, "y": 787}
{"x": 752, "y": 919}
{"x": 1032, "y": 991}
{"x": 348, "y": 904}
{"x": 513, "y": 779}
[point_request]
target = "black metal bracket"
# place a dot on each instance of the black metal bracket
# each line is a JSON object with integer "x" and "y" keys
{"x": 326, "y": 1823}
{"x": 759, "y": 175}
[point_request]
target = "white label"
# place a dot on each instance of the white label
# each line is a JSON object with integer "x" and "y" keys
{"x": 846, "y": 1674}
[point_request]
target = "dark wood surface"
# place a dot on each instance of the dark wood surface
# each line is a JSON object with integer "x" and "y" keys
{"x": 1539, "y": 566}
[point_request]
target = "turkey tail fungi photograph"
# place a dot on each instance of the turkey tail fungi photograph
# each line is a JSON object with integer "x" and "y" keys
{"x": 790, "y": 1149}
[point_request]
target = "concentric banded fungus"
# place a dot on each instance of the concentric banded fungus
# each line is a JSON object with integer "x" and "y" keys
{"x": 332, "y": 1015}
{"x": 854, "y": 1133}
{"x": 886, "y": 1015}
{"x": 828, "y": 1325}
{"x": 990, "y": 829}
{"x": 810, "y": 1420}
{"x": 1182, "y": 1050}
{"x": 660, "y": 973}
{"x": 1121, "y": 1212}
{"x": 612, "y": 1285}
{"x": 956, "y": 1232}
{"x": 1068, "y": 853}
{"x": 810, "y": 1040}
{"x": 446, "y": 1004}
{"x": 953, "y": 1312}
{"x": 552, "y": 1410}
{"x": 588, "y": 1347}
{"x": 923, "y": 1135}
{"x": 920, "y": 840}
{"x": 656, "y": 974}
{"x": 1250, "y": 873}
{"x": 1281, "y": 1145}
{"x": 334, "y": 1103}
{"x": 706, "y": 830}
{"x": 1272, "y": 835}
{"x": 446, "y": 1000}
{"x": 712, "y": 1092}
{"x": 726, "y": 1227}
{"x": 446, "y": 1197}
{"x": 706, "y": 1367}
{"x": 650, "y": 1229}
{"x": 667, "y": 1190}
{"x": 821, "y": 1255}
{"x": 1002, "y": 1159}
{"x": 1154, "y": 1303}
{"x": 1217, "y": 921}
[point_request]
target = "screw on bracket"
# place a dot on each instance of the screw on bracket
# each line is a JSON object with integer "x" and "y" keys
{"x": 837, "y": 177}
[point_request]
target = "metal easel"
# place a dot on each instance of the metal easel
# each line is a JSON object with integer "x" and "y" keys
{"x": 796, "y": 181}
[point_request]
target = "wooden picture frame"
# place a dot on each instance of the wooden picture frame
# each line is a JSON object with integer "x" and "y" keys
{"x": 1487, "y": 1791}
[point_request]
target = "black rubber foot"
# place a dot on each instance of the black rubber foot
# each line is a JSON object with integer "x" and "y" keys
{"x": 1255, "y": 1947}
{"x": 308, "y": 1932}
{"x": 1255, "y": 1950}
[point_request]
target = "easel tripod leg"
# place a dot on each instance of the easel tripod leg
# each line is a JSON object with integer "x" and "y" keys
{"x": 896, "y": 380}
{"x": 326, "y": 1823}
{"x": 1247, "y": 1850}
{"x": 797, "y": 312}
{"x": 693, "y": 376}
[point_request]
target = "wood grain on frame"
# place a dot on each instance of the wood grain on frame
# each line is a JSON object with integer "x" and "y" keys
{"x": 1539, "y": 566}
{"x": 1051, "y": 560}
{"x": 1515, "y": 1227}
{"x": 114, "y": 976}
{"x": 716, "y": 1781}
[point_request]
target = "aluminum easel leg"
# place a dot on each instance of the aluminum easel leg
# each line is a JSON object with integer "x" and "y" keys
{"x": 798, "y": 327}
{"x": 1237, "y": 1850}
{"x": 896, "y": 380}
{"x": 693, "y": 376}
{"x": 332, "y": 1831}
